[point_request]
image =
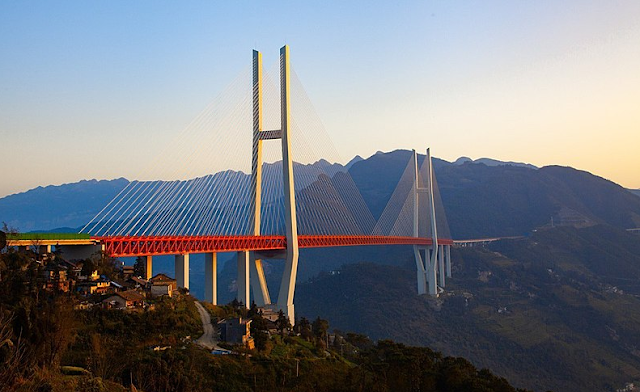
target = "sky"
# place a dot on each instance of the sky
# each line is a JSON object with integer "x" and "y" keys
{"x": 94, "y": 89}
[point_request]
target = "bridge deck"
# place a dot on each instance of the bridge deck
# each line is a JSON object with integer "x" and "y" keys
{"x": 167, "y": 245}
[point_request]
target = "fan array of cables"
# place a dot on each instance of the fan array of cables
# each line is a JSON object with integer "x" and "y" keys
{"x": 397, "y": 219}
{"x": 201, "y": 184}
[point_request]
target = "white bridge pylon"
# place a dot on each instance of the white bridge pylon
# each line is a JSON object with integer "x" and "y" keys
{"x": 250, "y": 270}
{"x": 432, "y": 262}
{"x": 204, "y": 190}
{"x": 251, "y": 281}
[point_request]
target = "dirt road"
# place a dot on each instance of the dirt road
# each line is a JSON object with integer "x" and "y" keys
{"x": 208, "y": 339}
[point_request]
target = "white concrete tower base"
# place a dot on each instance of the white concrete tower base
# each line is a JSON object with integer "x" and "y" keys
{"x": 259, "y": 282}
{"x": 421, "y": 276}
{"x": 243, "y": 278}
{"x": 211, "y": 278}
{"x": 432, "y": 273}
{"x": 148, "y": 271}
{"x": 182, "y": 270}
{"x": 448, "y": 260}
{"x": 441, "y": 265}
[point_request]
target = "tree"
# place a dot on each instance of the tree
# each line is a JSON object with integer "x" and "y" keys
{"x": 104, "y": 264}
{"x": 140, "y": 267}
{"x": 303, "y": 327}
{"x": 253, "y": 310}
{"x": 282, "y": 323}
{"x": 88, "y": 267}
{"x": 11, "y": 353}
{"x": 320, "y": 329}
{"x": 358, "y": 340}
{"x": 259, "y": 331}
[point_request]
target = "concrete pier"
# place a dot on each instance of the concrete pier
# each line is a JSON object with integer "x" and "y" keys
{"x": 243, "y": 278}
{"x": 211, "y": 278}
{"x": 182, "y": 270}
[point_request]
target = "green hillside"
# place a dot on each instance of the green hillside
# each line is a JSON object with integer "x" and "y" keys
{"x": 56, "y": 340}
{"x": 559, "y": 310}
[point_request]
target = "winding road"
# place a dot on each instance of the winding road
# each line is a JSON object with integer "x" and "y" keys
{"x": 207, "y": 340}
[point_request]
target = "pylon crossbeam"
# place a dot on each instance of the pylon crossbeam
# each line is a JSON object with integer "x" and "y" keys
{"x": 270, "y": 135}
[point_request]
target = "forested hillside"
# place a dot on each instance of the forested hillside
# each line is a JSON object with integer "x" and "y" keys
{"x": 558, "y": 310}
{"x": 57, "y": 341}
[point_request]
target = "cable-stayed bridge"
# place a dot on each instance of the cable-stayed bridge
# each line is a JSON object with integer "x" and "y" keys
{"x": 273, "y": 193}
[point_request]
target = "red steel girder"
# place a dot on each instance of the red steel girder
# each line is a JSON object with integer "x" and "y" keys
{"x": 123, "y": 246}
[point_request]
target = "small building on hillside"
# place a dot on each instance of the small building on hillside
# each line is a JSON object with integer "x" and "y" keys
{"x": 127, "y": 271}
{"x": 55, "y": 278}
{"x": 236, "y": 331}
{"x": 268, "y": 314}
{"x": 138, "y": 283}
{"x": 93, "y": 276}
{"x": 162, "y": 284}
{"x": 99, "y": 286}
{"x": 124, "y": 300}
{"x": 160, "y": 289}
{"x": 74, "y": 269}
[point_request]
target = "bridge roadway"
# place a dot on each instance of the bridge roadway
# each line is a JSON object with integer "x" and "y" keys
{"x": 123, "y": 246}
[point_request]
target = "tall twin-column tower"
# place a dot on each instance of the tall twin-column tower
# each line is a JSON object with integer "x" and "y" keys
{"x": 436, "y": 255}
{"x": 253, "y": 260}
{"x": 250, "y": 269}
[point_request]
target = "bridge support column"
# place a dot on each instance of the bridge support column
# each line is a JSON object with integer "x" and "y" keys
{"x": 421, "y": 272}
{"x": 432, "y": 275}
{"x": 211, "y": 278}
{"x": 243, "y": 278}
{"x": 441, "y": 265}
{"x": 149, "y": 267}
{"x": 420, "y": 268}
{"x": 448, "y": 260}
{"x": 259, "y": 282}
{"x": 182, "y": 270}
{"x": 288, "y": 284}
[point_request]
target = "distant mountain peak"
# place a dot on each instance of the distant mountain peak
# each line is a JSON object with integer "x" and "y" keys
{"x": 353, "y": 161}
{"x": 462, "y": 160}
{"x": 493, "y": 162}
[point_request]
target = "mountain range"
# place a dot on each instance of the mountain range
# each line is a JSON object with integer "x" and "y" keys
{"x": 67, "y": 206}
{"x": 480, "y": 200}
{"x": 492, "y": 162}
{"x": 555, "y": 309}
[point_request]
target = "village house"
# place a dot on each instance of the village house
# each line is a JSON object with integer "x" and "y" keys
{"x": 137, "y": 282}
{"x": 236, "y": 331}
{"x": 89, "y": 277}
{"x": 268, "y": 314}
{"x": 55, "y": 278}
{"x": 127, "y": 271}
{"x": 98, "y": 286}
{"x": 73, "y": 269}
{"x": 162, "y": 284}
{"x": 124, "y": 300}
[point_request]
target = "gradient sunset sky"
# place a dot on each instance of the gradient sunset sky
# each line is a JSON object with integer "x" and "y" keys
{"x": 92, "y": 89}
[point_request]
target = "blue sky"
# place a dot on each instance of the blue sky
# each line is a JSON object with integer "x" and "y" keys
{"x": 95, "y": 89}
